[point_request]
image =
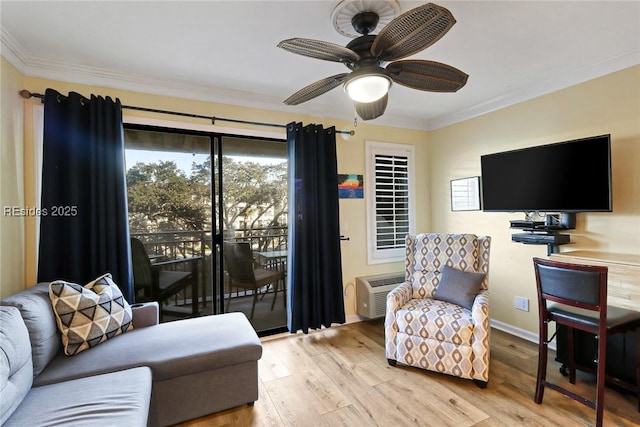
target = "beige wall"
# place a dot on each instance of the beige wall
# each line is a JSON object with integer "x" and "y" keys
{"x": 351, "y": 159}
{"x": 610, "y": 104}
{"x": 12, "y": 271}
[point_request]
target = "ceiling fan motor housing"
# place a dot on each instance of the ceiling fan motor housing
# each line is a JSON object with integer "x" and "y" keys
{"x": 362, "y": 46}
{"x": 365, "y": 22}
{"x": 368, "y": 65}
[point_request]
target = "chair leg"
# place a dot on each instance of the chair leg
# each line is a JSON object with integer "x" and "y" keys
{"x": 571, "y": 364}
{"x": 253, "y": 306}
{"x": 542, "y": 361}
{"x": 265, "y": 292}
{"x": 275, "y": 294}
{"x": 229, "y": 297}
{"x": 195, "y": 303}
{"x": 638, "y": 366}
{"x": 600, "y": 379}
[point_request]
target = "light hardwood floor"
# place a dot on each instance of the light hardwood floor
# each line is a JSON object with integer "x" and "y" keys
{"x": 340, "y": 377}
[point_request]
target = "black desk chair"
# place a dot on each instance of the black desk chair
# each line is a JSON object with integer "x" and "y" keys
{"x": 575, "y": 296}
{"x": 156, "y": 282}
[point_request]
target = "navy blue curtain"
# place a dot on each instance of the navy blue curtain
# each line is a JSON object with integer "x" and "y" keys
{"x": 314, "y": 275}
{"x": 85, "y": 231}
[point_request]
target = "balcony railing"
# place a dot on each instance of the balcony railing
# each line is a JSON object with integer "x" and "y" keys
{"x": 170, "y": 245}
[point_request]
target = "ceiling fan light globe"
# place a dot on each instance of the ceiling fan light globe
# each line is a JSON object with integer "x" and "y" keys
{"x": 367, "y": 88}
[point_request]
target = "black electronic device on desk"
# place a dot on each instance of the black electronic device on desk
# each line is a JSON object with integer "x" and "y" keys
{"x": 541, "y": 239}
{"x": 526, "y": 224}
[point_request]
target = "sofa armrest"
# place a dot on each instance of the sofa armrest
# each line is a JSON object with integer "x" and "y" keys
{"x": 397, "y": 298}
{"x": 480, "y": 309}
{"x": 480, "y": 340}
{"x": 145, "y": 314}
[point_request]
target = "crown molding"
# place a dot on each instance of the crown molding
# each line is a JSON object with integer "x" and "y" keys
{"x": 101, "y": 77}
{"x": 549, "y": 84}
{"x": 12, "y": 51}
{"x": 94, "y": 76}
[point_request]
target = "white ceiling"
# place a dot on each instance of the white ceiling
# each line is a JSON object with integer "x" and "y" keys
{"x": 225, "y": 51}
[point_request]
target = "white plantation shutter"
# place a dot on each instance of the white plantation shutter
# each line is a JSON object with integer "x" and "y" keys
{"x": 392, "y": 200}
{"x": 389, "y": 192}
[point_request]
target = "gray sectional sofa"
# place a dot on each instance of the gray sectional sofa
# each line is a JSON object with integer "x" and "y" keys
{"x": 156, "y": 374}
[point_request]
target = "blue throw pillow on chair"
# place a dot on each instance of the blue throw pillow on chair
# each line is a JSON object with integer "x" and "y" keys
{"x": 458, "y": 287}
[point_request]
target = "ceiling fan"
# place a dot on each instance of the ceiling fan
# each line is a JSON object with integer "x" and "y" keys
{"x": 368, "y": 57}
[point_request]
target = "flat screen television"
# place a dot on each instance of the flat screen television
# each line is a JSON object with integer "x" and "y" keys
{"x": 570, "y": 176}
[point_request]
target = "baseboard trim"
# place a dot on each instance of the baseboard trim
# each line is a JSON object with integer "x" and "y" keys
{"x": 519, "y": 332}
{"x": 353, "y": 318}
{"x": 501, "y": 326}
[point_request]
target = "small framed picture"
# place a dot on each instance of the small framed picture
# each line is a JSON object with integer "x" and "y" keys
{"x": 465, "y": 194}
{"x": 350, "y": 186}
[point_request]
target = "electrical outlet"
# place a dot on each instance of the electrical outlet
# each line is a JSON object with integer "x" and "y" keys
{"x": 521, "y": 303}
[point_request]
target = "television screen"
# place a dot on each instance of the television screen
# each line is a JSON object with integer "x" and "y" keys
{"x": 571, "y": 176}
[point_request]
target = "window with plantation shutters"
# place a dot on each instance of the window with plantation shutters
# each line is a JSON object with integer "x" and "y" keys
{"x": 389, "y": 184}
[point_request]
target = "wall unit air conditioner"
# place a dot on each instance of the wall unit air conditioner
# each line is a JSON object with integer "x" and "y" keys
{"x": 371, "y": 293}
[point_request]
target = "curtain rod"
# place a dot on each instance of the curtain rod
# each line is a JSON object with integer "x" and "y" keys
{"x": 26, "y": 95}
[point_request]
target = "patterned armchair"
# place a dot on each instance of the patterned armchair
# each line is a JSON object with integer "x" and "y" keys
{"x": 433, "y": 334}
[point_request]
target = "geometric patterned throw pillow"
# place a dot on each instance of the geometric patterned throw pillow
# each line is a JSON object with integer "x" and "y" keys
{"x": 89, "y": 315}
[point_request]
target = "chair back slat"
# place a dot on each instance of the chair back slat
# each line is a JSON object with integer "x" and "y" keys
{"x": 570, "y": 286}
{"x": 577, "y": 285}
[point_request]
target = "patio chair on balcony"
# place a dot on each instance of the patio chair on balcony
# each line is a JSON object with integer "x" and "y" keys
{"x": 238, "y": 259}
{"x": 161, "y": 282}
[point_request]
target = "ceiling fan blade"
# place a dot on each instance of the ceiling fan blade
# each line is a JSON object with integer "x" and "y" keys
{"x": 319, "y": 50}
{"x": 315, "y": 89}
{"x": 427, "y": 75}
{"x": 372, "y": 110}
{"x": 412, "y": 32}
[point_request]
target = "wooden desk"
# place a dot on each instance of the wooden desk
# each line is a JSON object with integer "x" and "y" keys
{"x": 623, "y": 291}
{"x": 623, "y": 277}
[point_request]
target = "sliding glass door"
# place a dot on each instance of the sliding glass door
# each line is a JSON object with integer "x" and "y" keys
{"x": 169, "y": 201}
{"x": 189, "y": 194}
{"x": 254, "y": 229}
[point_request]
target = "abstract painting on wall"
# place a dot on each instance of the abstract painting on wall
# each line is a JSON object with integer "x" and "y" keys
{"x": 350, "y": 186}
